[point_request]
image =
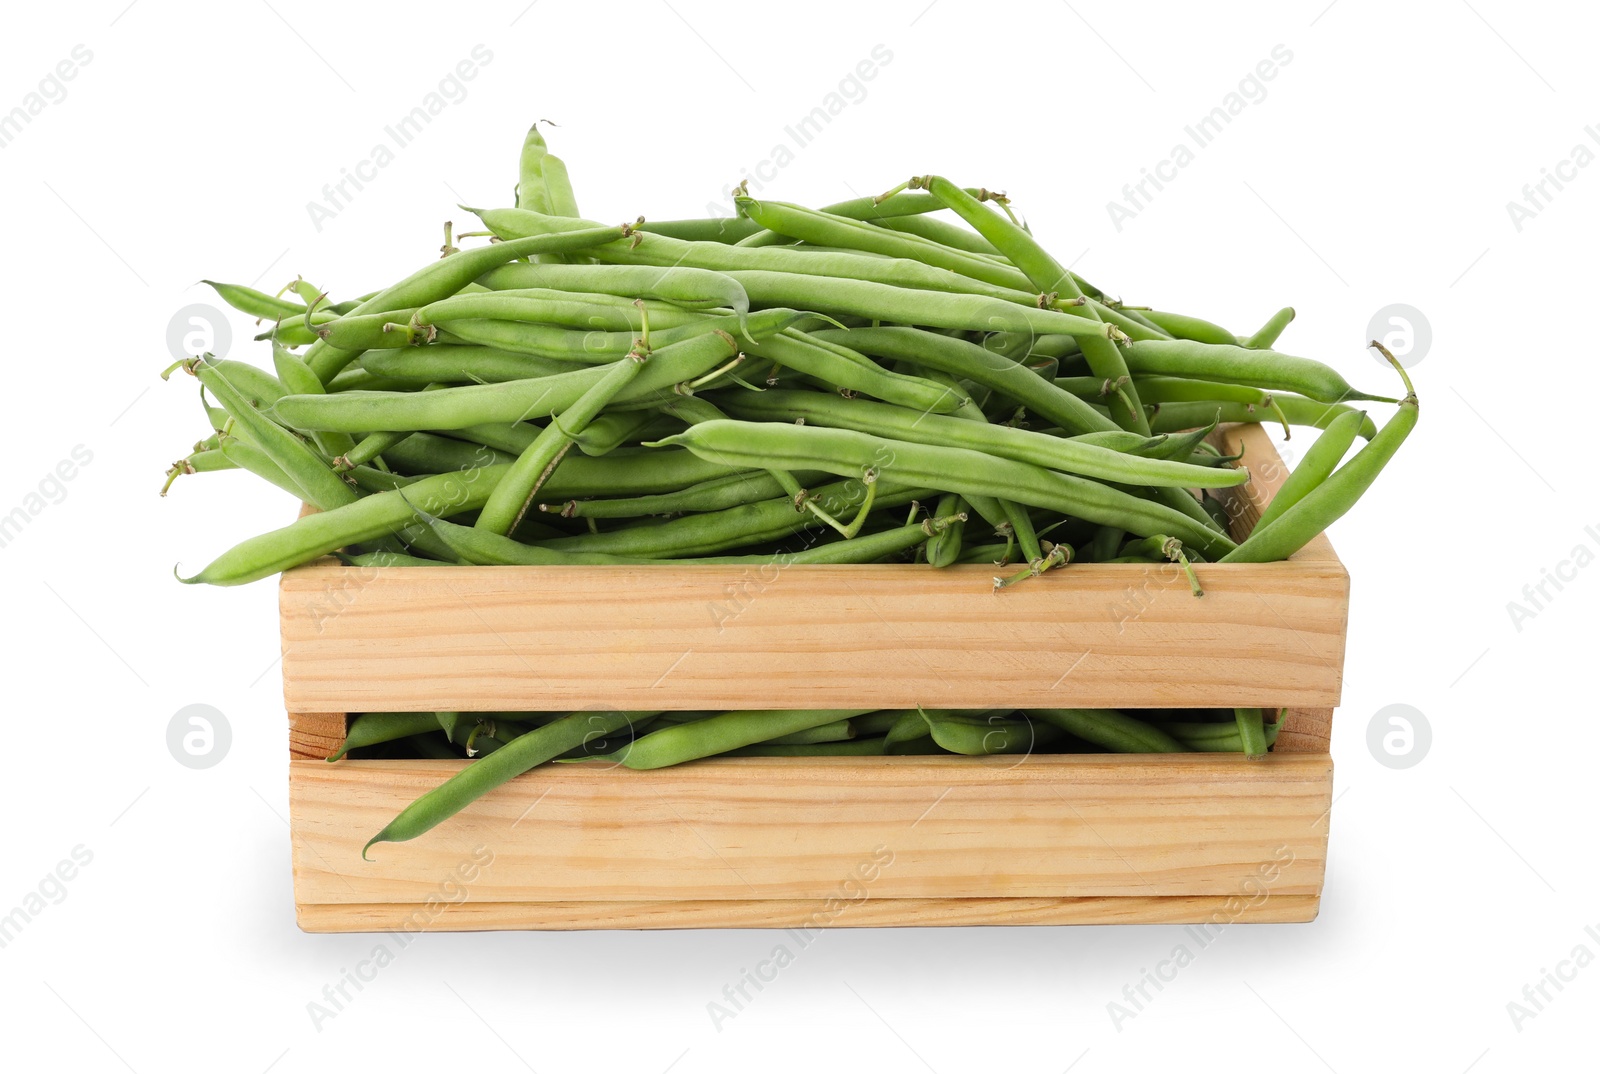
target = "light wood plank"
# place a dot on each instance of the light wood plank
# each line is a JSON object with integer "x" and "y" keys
{"x": 802, "y": 916}
{"x": 721, "y": 637}
{"x": 753, "y": 828}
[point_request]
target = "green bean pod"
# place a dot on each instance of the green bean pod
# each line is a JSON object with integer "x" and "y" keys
{"x": 482, "y": 776}
{"x": 1264, "y": 337}
{"x": 1314, "y": 467}
{"x": 1231, "y": 363}
{"x": 520, "y": 400}
{"x": 289, "y": 453}
{"x": 1049, "y": 277}
{"x": 735, "y": 527}
{"x": 447, "y": 276}
{"x": 969, "y": 361}
{"x": 961, "y": 470}
{"x": 1116, "y": 731}
{"x": 371, "y": 728}
{"x": 820, "y": 228}
{"x": 539, "y": 306}
{"x": 975, "y": 736}
{"x": 1067, "y": 456}
{"x": 679, "y": 285}
{"x": 800, "y": 352}
{"x": 723, "y": 732}
{"x": 513, "y": 495}
{"x": 1177, "y": 417}
{"x": 369, "y": 518}
{"x": 1196, "y": 329}
{"x": 1324, "y": 505}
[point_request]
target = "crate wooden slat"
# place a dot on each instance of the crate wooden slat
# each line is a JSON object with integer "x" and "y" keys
{"x": 728, "y": 637}
{"x": 750, "y": 842}
{"x": 758, "y": 830}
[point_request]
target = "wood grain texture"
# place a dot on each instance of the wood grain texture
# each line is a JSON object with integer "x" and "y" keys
{"x": 315, "y": 735}
{"x": 1049, "y": 826}
{"x": 801, "y": 915}
{"x": 892, "y": 636}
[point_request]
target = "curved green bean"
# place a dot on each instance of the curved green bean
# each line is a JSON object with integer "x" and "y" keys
{"x": 962, "y": 470}
{"x": 503, "y": 765}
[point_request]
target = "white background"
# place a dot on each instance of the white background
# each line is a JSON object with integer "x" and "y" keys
{"x": 1377, "y": 169}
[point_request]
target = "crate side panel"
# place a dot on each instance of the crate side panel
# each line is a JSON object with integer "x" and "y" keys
{"x": 1121, "y": 636}
{"x": 1050, "y": 826}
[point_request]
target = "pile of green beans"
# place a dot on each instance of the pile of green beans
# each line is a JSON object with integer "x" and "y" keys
{"x": 909, "y": 378}
{"x": 503, "y": 745}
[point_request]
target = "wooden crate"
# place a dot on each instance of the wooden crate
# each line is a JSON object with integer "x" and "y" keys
{"x": 828, "y": 841}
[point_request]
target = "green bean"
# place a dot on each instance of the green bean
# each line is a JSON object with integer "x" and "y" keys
{"x": 295, "y": 376}
{"x": 1123, "y": 441}
{"x": 424, "y": 453}
{"x": 538, "y": 306}
{"x": 350, "y": 380}
{"x": 1160, "y": 549}
{"x": 203, "y": 461}
{"x": 484, "y": 775}
{"x": 838, "y": 731}
{"x": 370, "y": 331}
{"x": 969, "y": 361}
{"x": 690, "y": 288}
{"x": 906, "y": 305}
{"x": 1268, "y": 334}
{"x": 800, "y": 352}
{"x": 246, "y": 456}
{"x": 371, "y": 517}
{"x": 908, "y": 205}
{"x": 251, "y": 385}
{"x": 1183, "y": 327}
{"x": 723, "y": 732}
{"x": 980, "y": 736}
{"x": 1252, "y": 732}
{"x": 856, "y": 747}
{"x": 512, "y": 437}
{"x": 945, "y": 548}
{"x": 1104, "y": 545}
{"x": 263, "y": 307}
{"x": 513, "y": 495}
{"x": 371, "y": 728}
{"x": 1315, "y": 466}
{"x": 1184, "y": 445}
{"x": 1176, "y": 417}
{"x": 492, "y": 549}
{"x": 531, "y": 191}
{"x": 1326, "y": 504}
{"x": 449, "y": 275}
{"x": 1231, "y": 363}
{"x": 714, "y": 494}
{"x": 942, "y": 232}
{"x": 610, "y": 431}
{"x": 1211, "y": 737}
{"x": 1048, "y": 276}
{"x": 848, "y": 267}
{"x": 734, "y": 527}
{"x": 289, "y": 453}
{"x": 1160, "y": 390}
{"x": 430, "y": 748}
{"x": 518, "y": 400}
{"x": 837, "y": 231}
{"x": 1116, "y": 731}
{"x": 952, "y": 469}
{"x": 1054, "y": 453}
{"x": 725, "y": 229}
